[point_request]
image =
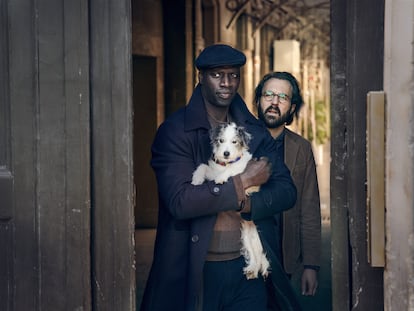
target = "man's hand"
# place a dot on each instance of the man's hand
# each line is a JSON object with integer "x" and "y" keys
{"x": 256, "y": 173}
{"x": 309, "y": 282}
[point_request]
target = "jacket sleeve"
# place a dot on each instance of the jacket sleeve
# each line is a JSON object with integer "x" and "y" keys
{"x": 175, "y": 156}
{"x": 279, "y": 193}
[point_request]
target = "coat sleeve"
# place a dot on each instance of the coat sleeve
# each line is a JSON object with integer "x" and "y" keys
{"x": 175, "y": 156}
{"x": 279, "y": 193}
{"x": 310, "y": 213}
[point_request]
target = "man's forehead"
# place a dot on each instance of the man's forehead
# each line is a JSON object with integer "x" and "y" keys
{"x": 285, "y": 82}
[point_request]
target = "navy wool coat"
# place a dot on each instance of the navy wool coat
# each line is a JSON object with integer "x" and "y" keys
{"x": 187, "y": 213}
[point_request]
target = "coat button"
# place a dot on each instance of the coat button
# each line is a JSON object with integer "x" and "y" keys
{"x": 216, "y": 189}
{"x": 194, "y": 238}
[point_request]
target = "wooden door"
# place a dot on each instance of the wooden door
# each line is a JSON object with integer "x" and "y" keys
{"x": 357, "y": 56}
{"x": 6, "y": 177}
{"x": 44, "y": 157}
{"x": 66, "y": 195}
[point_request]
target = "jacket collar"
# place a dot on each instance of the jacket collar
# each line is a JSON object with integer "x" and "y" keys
{"x": 195, "y": 112}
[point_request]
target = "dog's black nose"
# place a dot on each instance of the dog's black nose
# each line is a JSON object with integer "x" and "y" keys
{"x": 226, "y": 153}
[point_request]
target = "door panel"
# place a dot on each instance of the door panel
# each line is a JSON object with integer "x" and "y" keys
{"x": 49, "y": 165}
{"x": 6, "y": 179}
{"x": 113, "y": 270}
{"x": 355, "y": 70}
{"x": 44, "y": 156}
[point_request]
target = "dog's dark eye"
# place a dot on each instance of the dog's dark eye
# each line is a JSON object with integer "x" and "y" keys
{"x": 221, "y": 141}
{"x": 234, "y": 142}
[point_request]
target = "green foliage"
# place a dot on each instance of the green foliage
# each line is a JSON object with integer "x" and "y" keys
{"x": 321, "y": 119}
{"x": 322, "y": 126}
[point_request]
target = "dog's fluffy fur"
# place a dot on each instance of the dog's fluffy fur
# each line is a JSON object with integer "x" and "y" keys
{"x": 230, "y": 157}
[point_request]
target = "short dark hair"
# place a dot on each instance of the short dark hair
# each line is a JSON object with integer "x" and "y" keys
{"x": 296, "y": 95}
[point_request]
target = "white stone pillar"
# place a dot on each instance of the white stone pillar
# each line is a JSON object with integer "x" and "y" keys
{"x": 399, "y": 89}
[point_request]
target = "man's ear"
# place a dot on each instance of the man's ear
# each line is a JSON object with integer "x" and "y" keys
{"x": 292, "y": 108}
{"x": 200, "y": 77}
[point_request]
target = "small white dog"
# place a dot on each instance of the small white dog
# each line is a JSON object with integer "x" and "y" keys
{"x": 230, "y": 157}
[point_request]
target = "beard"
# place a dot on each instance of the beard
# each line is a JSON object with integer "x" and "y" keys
{"x": 270, "y": 120}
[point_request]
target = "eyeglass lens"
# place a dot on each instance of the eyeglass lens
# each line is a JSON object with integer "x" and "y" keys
{"x": 269, "y": 96}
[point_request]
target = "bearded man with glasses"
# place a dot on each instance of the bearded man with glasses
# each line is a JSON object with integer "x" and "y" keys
{"x": 279, "y": 100}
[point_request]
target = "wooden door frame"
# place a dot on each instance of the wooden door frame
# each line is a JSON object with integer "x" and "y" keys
{"x": 46, "y": 222}
{"x": 66, "y": 177}
{"x": 357, "y": 49}
{"x": 113, "y": 270}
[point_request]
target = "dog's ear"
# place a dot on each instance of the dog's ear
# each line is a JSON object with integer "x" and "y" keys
{"x": 245, "y": 136}
{"x": 214, "y": 132}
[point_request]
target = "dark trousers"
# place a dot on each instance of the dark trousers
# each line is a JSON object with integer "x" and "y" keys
{"x": 226, "y": 288}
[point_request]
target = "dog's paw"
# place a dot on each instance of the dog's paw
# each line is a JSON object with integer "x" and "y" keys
{"x": 221, "y": 178}
{"x": 252, "y": 190}
{"x": 250, "y": 273}
{"x": 219, "y": 181}
{"x": 265, "y": 266}
{"x": 265, "y": 274}
{"x": 199, "y": 175}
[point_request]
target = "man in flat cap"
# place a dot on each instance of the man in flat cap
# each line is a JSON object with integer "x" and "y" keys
{"x": 197, "y": 262}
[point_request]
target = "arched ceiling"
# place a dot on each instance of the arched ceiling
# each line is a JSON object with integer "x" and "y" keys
{"x": 304, "y": 20}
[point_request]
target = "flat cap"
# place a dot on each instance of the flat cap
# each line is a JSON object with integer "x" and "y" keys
{"x": 219, "y": 55}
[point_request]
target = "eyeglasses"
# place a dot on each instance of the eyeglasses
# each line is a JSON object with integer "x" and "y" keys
{"x": 282, "y": 97}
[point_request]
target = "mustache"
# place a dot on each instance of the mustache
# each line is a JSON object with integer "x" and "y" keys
{"x": 274, "y": 109}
